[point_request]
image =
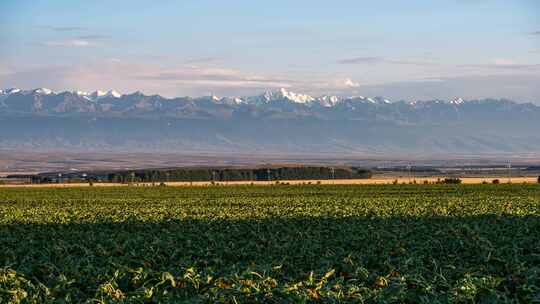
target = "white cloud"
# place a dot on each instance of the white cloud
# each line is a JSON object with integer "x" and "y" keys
{"x": 130, "y": 76}
{"x": 350, "y": 83}
{"x": 210, "y": 77}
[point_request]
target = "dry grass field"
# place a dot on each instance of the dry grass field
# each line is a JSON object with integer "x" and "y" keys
{"x": 372, "y": 181}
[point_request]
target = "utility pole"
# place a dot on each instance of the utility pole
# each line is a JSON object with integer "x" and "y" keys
{"x": 509, "y": 166}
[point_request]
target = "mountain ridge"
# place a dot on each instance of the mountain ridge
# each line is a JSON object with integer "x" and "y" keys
{"x": 280, "y": 122}
{"x": 271, "y": 104}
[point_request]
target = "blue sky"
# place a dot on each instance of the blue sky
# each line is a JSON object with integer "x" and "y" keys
{"x": 397, "y": 49}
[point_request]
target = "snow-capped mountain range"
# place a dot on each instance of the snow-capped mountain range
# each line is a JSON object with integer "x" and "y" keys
{"x": 277, "y": 120}
{"x": 265, "y": 98}
{"x": 98, "y": 94}
{"x": 280, "y": 95}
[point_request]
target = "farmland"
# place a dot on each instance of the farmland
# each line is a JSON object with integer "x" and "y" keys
{"x": 271, "y": 244}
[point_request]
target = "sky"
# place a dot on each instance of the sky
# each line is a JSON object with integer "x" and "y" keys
{"x": 417, "y": 49}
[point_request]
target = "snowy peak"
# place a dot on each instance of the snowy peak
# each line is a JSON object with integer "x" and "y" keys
{"x": 102, "y": 94}
{"x": 211, "y": 98}
{"x": 98, "y": 94}
{"x": 329, "y": 101}
{"x": 43, "y": 91}
{"x": 237, "y": 100}
{"x": 382, "y": 100}
{"x": 284, "y": 94}
{"x": 457, "y": 101}
{"x": 81, "y": 93}
{"x": 231, "y": 100}
{"x": 12, "y": 91}
{"x": 375, "y": 100}
{"x": 113, "y": 93}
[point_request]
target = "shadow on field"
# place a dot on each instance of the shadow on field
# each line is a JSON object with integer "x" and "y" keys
{"x": 451, "y": 246}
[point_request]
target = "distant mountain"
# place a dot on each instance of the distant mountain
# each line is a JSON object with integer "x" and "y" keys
{"x": 270, "y": 105}
{"x": 276, "y": 122}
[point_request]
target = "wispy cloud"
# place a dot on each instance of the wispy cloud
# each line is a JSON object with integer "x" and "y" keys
{"x": 91, "y": 40}
{"x": 361, "y": 60}
{"x": 515, "y": 66}
{"x": 378, "y": 60}
{"x": 202, "y": 60}
{"x": 504, "y": 64}
{"x": 93, "y": 37}
{"x": 130, "y": 76}
{"x": 126, "y": 76}
{"x": 411, "y": 62}
{"x": 213, "y": 76}
{"x": 69, "y": 43}
{"x": 64, "y": 28}
{"x": 84, "y": 39}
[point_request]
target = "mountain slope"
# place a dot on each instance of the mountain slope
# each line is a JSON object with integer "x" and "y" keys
{"x": 274, "y": 122}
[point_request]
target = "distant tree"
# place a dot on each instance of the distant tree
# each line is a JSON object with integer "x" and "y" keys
{"x": 131, "y": 177}
{"x": 452, "y": 180}
{"x": 495, "y": 181}
{"x": 538, "y": 180}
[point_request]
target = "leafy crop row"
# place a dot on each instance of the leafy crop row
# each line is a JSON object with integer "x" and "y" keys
{"x": 271, "y": 244}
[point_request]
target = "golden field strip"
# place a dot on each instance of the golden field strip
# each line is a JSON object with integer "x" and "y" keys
{"x": 372, "y": 181}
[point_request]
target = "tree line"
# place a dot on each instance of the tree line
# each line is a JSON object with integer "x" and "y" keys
{"x": 234, "y": 174}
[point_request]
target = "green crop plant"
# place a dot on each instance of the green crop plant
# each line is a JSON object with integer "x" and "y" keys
{"x": 271, "y": 244}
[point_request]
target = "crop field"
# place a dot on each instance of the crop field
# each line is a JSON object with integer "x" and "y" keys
{"x": 271, "y": 244}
